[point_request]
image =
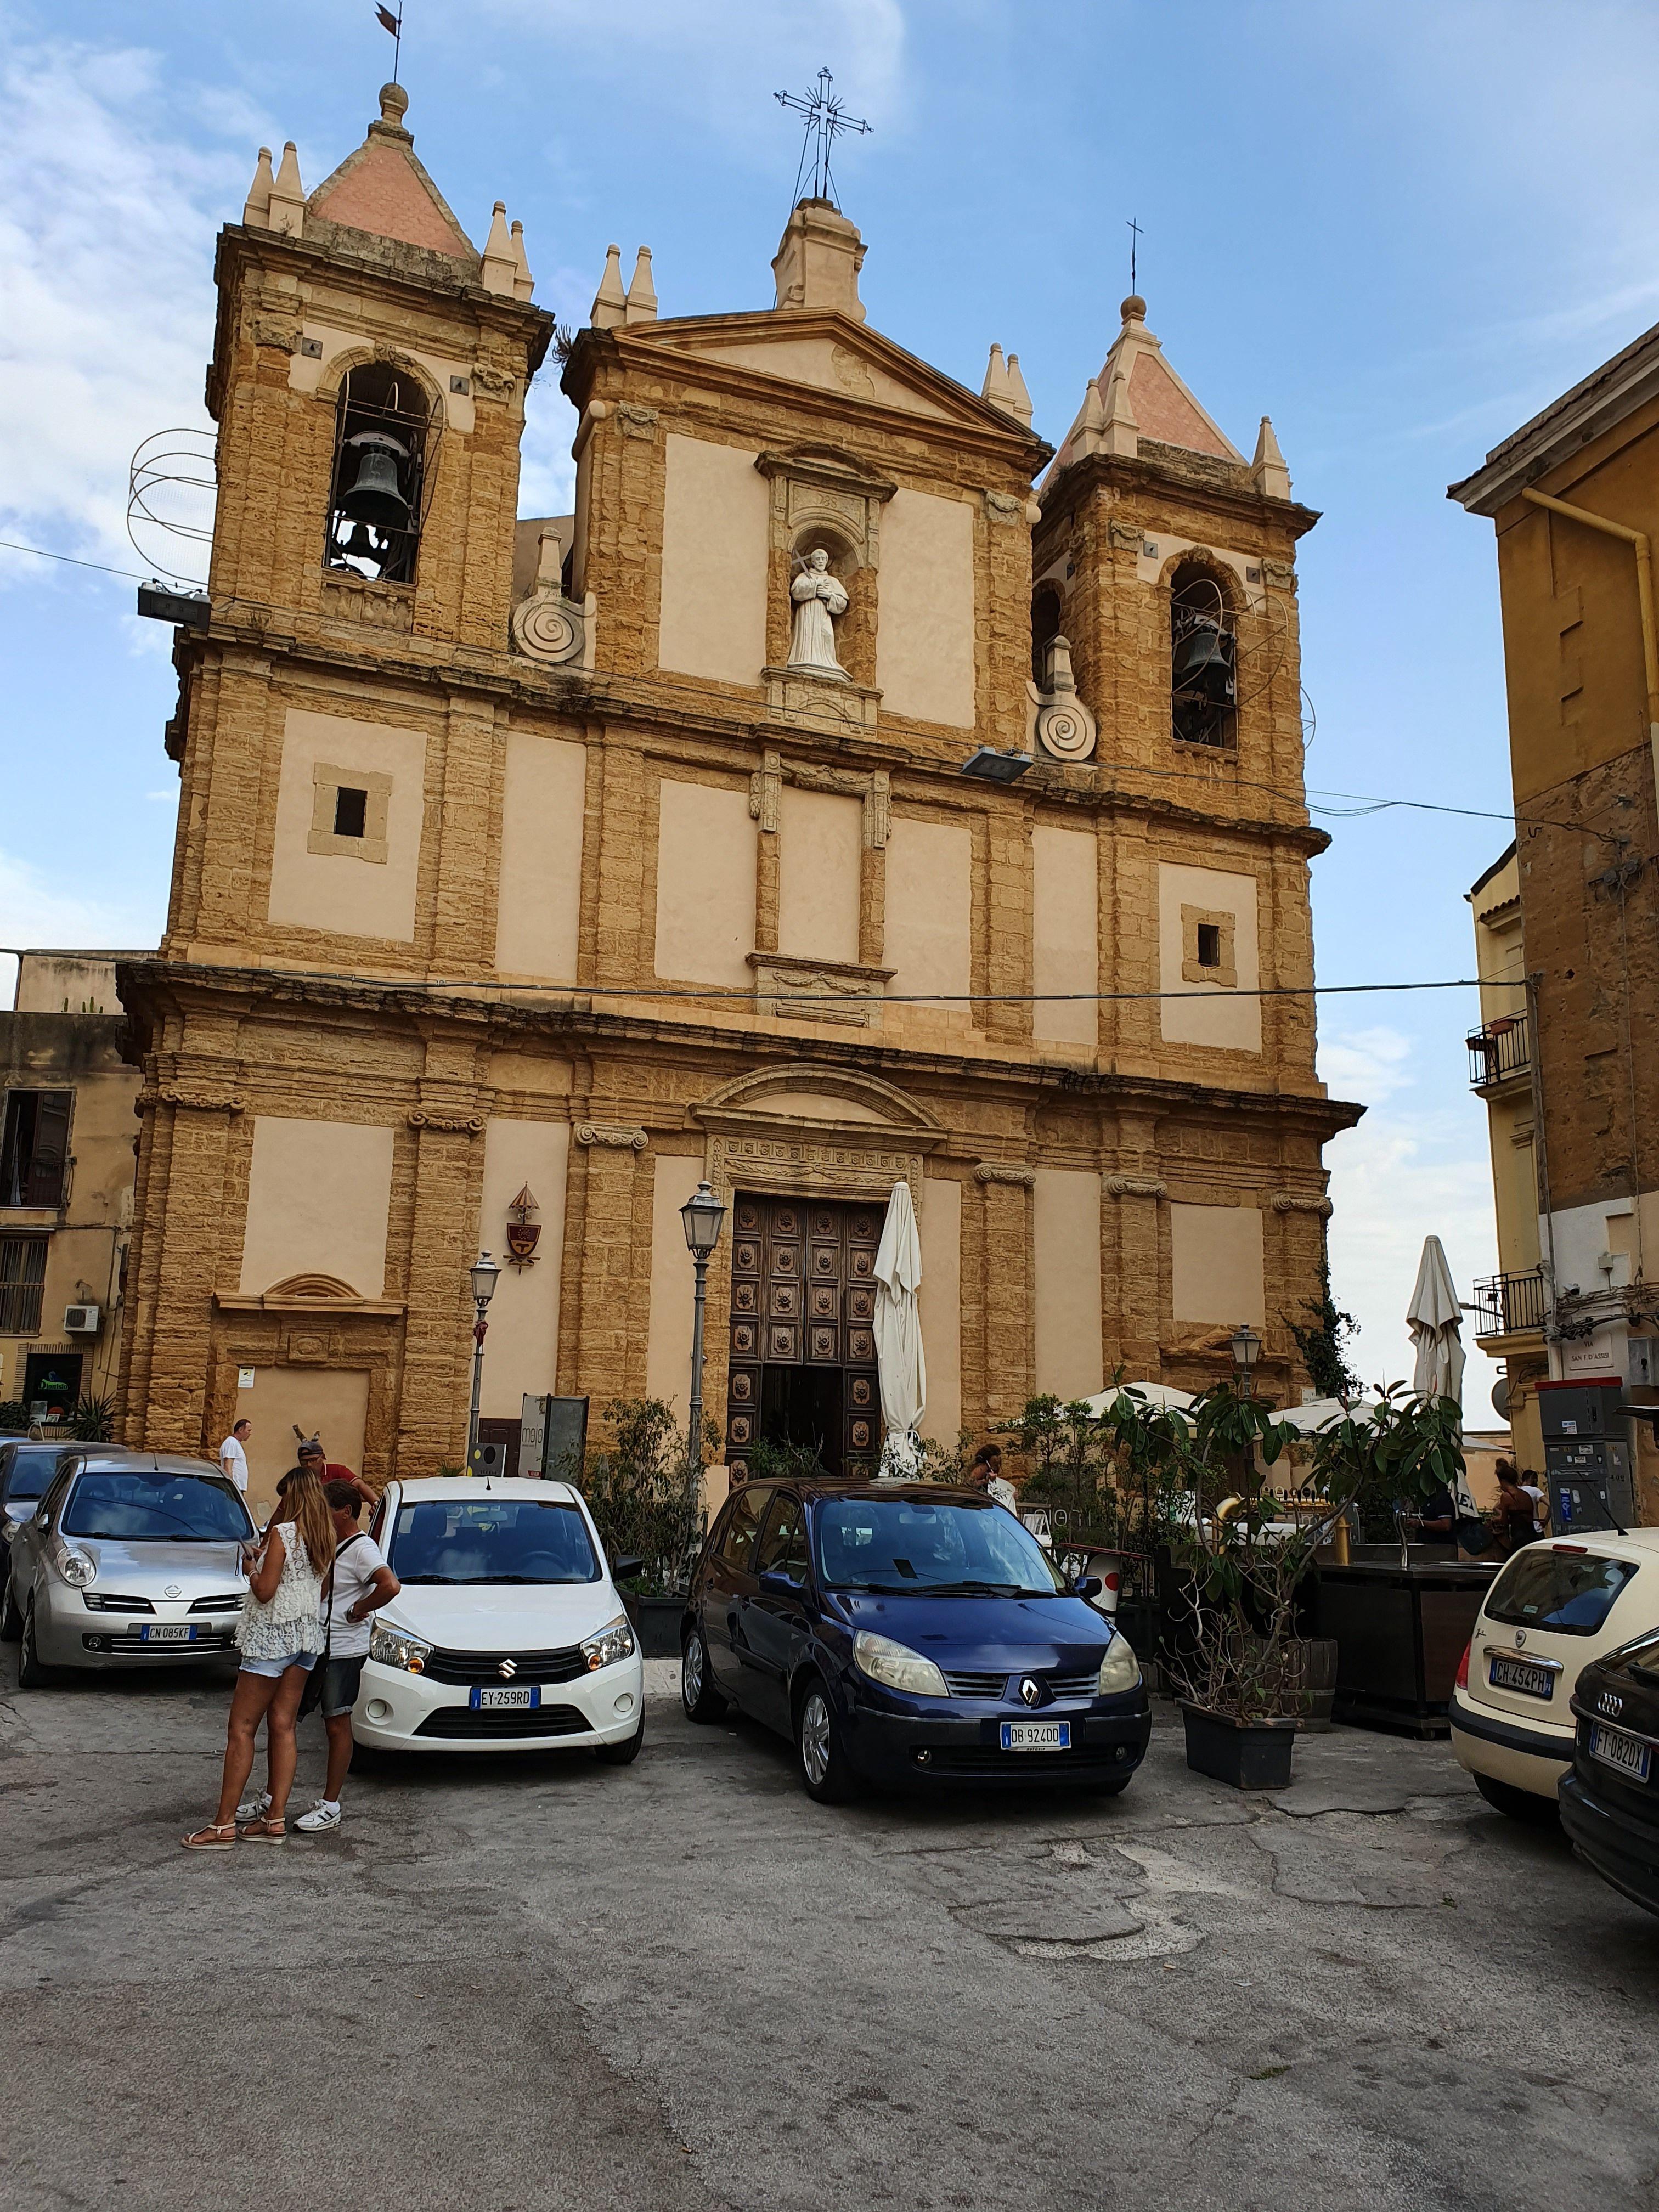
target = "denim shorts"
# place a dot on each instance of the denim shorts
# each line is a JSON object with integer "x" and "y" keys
{"x": 340, "y": 1678}
{"x": 274, "y": 1669}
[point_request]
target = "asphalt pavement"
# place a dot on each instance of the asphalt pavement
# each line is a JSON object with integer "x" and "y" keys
{"x": 518, "y": 1985}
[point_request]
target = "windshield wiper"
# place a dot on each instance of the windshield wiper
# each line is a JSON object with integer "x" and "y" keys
{"x": 986, "y": 1589}
{"x": 428, "y": 1578}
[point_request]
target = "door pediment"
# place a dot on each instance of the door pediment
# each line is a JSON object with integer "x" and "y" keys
{"x": 813, "y": 1130}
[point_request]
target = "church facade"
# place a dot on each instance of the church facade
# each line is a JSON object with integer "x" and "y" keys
{"x": 529, "y": 873}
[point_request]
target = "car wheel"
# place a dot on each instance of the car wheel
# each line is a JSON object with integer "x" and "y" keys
{"x": 31, "y": 1674}
{"x": 1518, "y": 1804}
{"x": 625, "y": 1753}
{"x": 11, "y": 1621}
{"x": 824, "y": 1773}
{"x": 701, "y": 1700}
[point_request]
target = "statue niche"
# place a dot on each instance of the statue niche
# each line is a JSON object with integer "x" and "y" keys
{"x": 820, "y": 599}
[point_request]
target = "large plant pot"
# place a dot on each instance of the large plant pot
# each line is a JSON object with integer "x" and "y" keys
{"x": 1244, "y": 1754}
{"x": 656, "y": 1623}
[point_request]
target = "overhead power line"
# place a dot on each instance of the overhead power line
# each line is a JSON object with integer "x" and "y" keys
{"x": 71, "y": 560}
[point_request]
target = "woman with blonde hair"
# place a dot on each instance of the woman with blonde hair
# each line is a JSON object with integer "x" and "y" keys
{"x": 280, "y": 1636}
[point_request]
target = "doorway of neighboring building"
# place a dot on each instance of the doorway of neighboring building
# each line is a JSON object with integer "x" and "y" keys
{"x": 803, "y": 1347}
{"x": 51, "y": 1384}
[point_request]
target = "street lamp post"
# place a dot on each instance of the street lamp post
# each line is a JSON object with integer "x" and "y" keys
{"x": 485, "y": 1274}
{"x": 1247, "y": 1350}
{"x": 701, "y": 1216}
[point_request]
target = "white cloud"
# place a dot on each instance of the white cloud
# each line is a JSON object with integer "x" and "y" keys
{"x": 106, "y": 227}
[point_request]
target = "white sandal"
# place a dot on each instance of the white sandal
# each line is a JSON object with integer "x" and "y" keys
{"x": 217, "y": 1836}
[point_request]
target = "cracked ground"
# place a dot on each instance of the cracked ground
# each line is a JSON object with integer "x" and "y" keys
{"x": 514, "y": 1984}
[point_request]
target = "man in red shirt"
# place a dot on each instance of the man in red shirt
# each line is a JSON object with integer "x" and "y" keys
{"x": 312, "y": 1456}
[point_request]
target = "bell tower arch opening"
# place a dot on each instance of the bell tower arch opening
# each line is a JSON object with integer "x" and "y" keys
{"x": 1203, "y": 658}
{"x": 375, "y": 500}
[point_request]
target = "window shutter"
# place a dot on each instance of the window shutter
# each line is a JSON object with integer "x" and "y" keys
{"x": 49, "y": 1158}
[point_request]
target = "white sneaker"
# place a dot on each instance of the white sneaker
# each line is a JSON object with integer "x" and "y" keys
{"x": 253, "y": 1808}
{"x": 321, "y": 1817}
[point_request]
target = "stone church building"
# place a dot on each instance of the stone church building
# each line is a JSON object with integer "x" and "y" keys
{"x": 528, "y": 872}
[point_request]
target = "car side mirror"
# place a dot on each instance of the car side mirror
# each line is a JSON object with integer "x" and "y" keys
{"x": 777, "y": 1585}
{"x": 625, "y": 1567}
{"x": 1090, "y": 1586}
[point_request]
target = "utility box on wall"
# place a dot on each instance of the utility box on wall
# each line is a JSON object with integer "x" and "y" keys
{"x": 553, "y": 1437}
{"x": 1581, "y": 1409}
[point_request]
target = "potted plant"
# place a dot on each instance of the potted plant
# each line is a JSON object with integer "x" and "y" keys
{"x": 1235, "y": 1660}
{"x": 644, "y": 1490}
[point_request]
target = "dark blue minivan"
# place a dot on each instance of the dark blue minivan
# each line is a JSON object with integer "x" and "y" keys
{"x": 907, "y": 1634}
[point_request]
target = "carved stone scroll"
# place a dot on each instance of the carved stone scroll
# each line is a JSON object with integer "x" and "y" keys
{"x": 1001, "y": 1171}
{"x": 455, "y": 1125}
{"x": 1291, "y": 1201}
{"x": 1121, "y": 1186}
{"x": 612, "y": 1137}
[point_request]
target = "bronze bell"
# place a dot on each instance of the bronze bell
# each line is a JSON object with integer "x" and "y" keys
{"x": 374, "y": 495}
{"x": 1204, "y": 662}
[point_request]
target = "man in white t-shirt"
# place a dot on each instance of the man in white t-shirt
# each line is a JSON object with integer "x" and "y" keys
{"x": 362, "y": 1582}
{"x": 233, "y": 1455}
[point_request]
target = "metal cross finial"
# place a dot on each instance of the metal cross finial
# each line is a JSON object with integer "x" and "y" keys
{"x": 825, "y": 116}
{"x": 1134, "y": 241}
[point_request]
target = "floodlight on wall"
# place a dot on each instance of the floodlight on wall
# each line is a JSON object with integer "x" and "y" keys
{"x": 990, "y": 766}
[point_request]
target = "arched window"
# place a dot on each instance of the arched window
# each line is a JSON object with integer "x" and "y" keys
{"x": 1203, "y": 659}
{"x": 1045, "y": 625}
{"x": 375, "y": 499}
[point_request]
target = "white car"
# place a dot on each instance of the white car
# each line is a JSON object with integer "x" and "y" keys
{"x": 1556, "y": 1606}
{"x": 508, "y": 1633}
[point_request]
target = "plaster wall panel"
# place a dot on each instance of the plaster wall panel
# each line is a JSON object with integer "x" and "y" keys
{"x": 940, "y": 1300}
{"x": 317, "y": 880}
{"x": 317, "y": 1197}
{"x": 668, "y": 1345}
{"x": 1220, "y": 1014}
{"x": 705, "y": 885}
{"x": 1216, "y": 1261}
{"x": 930, "y": 908}
{"x": 924, "y": 641}
{"x": 715, "y": 525}
{"x": 540, "y": 899}
{"x": 823, "y": 840}
{"x": 830, "y": 367}
{"x": 1065, "y": 1238}
{"x": 1065, "y": 952}
{"x": 329, "y": 1402}
{"x": 523, "y": 1314}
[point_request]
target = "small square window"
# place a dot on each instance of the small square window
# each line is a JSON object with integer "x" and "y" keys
{"x": 1209, "y": 945}
{"x": 351, "y": 812}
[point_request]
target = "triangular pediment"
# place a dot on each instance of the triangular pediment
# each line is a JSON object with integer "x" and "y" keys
{"x": 383, "y": 189}
{"x": 824, "y": 351}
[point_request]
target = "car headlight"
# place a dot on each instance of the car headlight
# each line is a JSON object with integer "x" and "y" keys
{"x": 896, "y": 1667}
{"x": 75, "y": 1567}
{"x": 614, "y": 1641}
{"x": 1119, "y": 1669}
{"x": 396, "y": 1647}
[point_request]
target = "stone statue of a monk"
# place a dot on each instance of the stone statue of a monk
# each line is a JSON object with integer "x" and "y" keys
{"x": 820, "y": 599}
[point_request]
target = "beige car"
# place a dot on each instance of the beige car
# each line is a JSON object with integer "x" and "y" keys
{"x": 1556, "y": 1605}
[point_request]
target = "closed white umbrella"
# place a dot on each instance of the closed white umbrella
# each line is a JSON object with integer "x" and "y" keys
{"x": 899, "y": 1361}
{"x": 1436, "y": 1321}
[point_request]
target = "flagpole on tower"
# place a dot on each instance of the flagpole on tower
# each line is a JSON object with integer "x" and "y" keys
{"x": 388, "y": 21}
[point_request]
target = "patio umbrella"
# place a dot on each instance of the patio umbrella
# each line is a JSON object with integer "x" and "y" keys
{"x": 899, "y": 1361}
{"x": 1161, "y": 1396}
{"x": 1435, "y": 1320}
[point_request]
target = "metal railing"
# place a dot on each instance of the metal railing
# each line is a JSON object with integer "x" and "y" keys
{"x": 23, "y": 1284}
{"x": 1505, "y": 1305}
{"x": 1500, "y": 1049}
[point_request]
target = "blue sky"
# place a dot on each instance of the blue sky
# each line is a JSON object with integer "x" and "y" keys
{"x": 1398, "y": 228}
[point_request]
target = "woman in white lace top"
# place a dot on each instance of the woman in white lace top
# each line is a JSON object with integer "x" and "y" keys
{"x": 280, "y": 1635}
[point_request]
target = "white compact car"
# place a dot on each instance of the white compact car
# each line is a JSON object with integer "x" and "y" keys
{"x": 1556, "y": 1606}
{"x": 508, "y": 1632}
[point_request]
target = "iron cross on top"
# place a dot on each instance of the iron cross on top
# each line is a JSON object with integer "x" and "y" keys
{"x": 824, "y": 115}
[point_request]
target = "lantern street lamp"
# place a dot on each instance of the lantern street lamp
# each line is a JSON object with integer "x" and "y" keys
{"x": 485, "y": 1274}
{"x": 1247, "y": 1350}
{"x": 701, "y": 1215}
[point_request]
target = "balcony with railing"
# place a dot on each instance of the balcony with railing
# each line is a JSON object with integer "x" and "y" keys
{"x": 1510, "y": 1306}
{"x": 1499, "y": 1052}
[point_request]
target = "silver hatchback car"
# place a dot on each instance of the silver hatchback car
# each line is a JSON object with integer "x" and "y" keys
{"x": 132, "y": 1558}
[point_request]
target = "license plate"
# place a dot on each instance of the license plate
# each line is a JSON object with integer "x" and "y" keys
{"x": 1614, "y": 1748}
{"x": 1036, "y": 1735}
{"x": 506, "y": 1701}
{"x": 1532, "y": 1681}
{"x": 155, "y": 1634}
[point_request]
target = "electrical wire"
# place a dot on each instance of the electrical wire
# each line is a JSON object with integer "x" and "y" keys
{"x": 12, "y": 545}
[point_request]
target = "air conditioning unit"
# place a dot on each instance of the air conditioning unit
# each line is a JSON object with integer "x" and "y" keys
{"x": 81, "y": 1320}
